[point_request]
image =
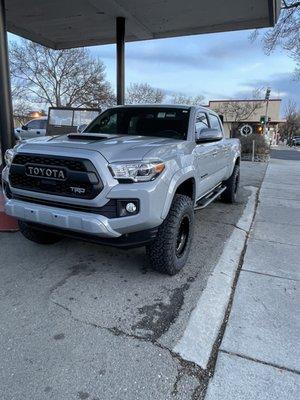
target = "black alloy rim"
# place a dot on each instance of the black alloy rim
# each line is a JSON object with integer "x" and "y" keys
{"x": 182, "y": 235}
{"x": 236, "y": 184}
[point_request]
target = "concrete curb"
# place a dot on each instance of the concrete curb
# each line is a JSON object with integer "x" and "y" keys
{"x": 203, "y": 327}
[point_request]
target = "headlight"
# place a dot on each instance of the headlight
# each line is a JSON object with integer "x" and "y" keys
{"x": 136, "y": 171}
{"x": 8, "y": 157}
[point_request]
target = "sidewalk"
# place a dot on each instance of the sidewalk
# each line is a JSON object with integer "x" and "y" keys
{"x": 259, "y": 357}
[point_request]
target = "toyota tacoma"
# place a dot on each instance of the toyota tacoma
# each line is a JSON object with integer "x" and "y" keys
{"x": 134, "y": 177}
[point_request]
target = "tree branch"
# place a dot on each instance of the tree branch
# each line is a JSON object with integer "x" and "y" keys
{"x": 289, "y": 6}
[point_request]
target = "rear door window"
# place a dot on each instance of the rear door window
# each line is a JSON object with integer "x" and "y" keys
{"x": 201, "y": 122}
{"x": 215, "y": 122}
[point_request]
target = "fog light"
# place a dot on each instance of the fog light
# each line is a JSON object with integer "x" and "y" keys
{"x": 127, "y": 207}
{"x": 130, "y": 207}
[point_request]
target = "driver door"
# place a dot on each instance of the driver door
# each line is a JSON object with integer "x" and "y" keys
{"x": 222, "y": 149}
{"x": 205, "y": 154}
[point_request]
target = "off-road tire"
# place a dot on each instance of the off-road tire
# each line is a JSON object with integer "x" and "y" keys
{"x": 37, "y": 236}
{"x": 164, "y": 252}
{"x": 232, "y": 186}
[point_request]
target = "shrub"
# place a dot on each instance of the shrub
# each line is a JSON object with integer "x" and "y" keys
{"x": 261, "y": 146}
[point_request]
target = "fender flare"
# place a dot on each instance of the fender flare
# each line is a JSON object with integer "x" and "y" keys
{"x": 234, "y": 162}
{"x": 178, "y": 178}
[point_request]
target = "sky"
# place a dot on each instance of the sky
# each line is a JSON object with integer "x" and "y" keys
{"x": 217, "y": 66}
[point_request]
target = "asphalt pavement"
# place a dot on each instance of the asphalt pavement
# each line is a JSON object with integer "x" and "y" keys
{"x": 286, "y": 153}
{"x": 83, "y": 321}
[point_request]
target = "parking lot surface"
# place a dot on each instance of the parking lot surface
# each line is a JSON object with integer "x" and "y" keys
{"x": 83, "y": 321}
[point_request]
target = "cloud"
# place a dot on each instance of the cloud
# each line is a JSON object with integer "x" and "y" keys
{"x": 179, "y": 56}
{"x": 282, "y": 86}
{"x": 200, "y": 52}
{"x": 251, "y": 67}
{"x": 231, "y": 49}
{"x": 282, "y": 83}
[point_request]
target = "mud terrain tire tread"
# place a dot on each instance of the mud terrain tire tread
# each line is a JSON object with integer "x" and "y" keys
{"x": 161, "y": 251}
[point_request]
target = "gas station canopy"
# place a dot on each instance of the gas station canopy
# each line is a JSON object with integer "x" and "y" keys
{"x": 61, "y": 24}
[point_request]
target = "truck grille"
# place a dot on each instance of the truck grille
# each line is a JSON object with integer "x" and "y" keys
{"x": 71, "y": 163}
{"x": 82, "y": 179}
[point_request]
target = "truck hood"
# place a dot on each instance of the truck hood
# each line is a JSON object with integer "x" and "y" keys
{"x": 112, "y": 147}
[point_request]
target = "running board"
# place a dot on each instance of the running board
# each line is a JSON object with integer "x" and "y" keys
{"x": 210, "y": 197}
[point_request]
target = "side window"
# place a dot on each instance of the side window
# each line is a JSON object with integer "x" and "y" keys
{"x": 106, "y": 123}
{"x": 35, "y": 124}
{"x": 201, "y": 122}
{"x": 215, "y": 122}
{"x": 43, "y": 123}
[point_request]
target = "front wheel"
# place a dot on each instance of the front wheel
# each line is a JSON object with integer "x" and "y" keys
{"x": 169, "y": 251}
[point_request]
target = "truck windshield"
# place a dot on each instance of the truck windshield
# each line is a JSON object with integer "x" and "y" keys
{"x": 145, "y": 121}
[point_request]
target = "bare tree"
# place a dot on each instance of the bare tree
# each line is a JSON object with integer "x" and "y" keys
{"x": 239, "y": 111}
{"x": 21, "y": 105}
{"x": 180, "y": 98}
{"x": 236, "y": 112}
{"x": 59, "y": 77}
{"x": 286, "y": 32}
{"x": 291, "y": 126}
{"x": 143, "y": 93}
{"x": 296, "y": 57}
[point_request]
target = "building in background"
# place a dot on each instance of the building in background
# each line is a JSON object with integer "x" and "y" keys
{"x": 244, "y": 117}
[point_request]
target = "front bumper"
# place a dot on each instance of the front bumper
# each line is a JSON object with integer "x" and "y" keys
{"x": 126, "y": 241}
{"x": 89, "y": 224}
{"x": 60, "y": 218}
{"x": 84, "y": 216}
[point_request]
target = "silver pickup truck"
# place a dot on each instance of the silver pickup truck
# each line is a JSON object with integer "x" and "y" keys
{"x": 134, "y": 177}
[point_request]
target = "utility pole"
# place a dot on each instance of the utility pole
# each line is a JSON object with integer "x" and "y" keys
{"x": 267, "y": 98}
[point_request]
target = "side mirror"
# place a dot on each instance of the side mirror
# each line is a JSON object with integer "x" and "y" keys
{"x": 24, "y": 128}
{"x": 208, "y": 135}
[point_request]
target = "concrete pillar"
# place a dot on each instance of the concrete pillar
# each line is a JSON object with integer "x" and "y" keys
{"x": 120, "y": 39}
{"x": 6, "y": 113}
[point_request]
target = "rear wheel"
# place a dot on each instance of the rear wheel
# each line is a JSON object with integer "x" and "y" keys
{"x": 37, "y": 236}
{"x": 169, "y": 251}
{"x": 232, "y": 185}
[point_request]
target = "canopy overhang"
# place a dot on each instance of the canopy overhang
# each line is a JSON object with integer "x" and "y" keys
{"x": 62, "y": 24}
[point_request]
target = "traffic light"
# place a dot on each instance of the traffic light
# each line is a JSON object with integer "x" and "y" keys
{"x": 262, "y": 119}
{"x": 268, "y": 92}
{"x": 269, "y": 120}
